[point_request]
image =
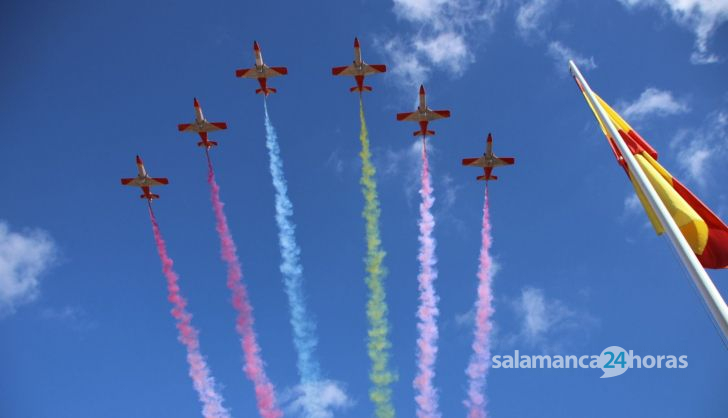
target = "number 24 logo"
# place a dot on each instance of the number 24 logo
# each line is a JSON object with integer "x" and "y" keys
{"x": 620, "y": 360}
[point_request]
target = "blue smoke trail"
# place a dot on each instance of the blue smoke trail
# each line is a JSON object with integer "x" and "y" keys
{"x": 304, "y": 329}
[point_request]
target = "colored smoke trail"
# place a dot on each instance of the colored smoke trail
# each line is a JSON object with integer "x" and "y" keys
{"x": 304, "y": 328}
{"x": 427, "y": 312}
{"x": 378, "y": 345}
{"x": 254, "y": 367}
{"x": 480, "y": 359}
{"x": 199, "y": 372}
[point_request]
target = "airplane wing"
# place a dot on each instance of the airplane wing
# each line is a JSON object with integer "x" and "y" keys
{"x": 471, "y": 161}
{"x": 413, "y": 116}
{"x": 206, "y": 127}
{"x": 346, "y": 70}
{"x": 507, "y": 160}
{"x": 137, "y": 182}
{"x": 274, "y": 71}
{"x": 374, "y": 69}
{"x": 247, "y": 73}
{"x": 437, "y": 114}
{"x": 130, "y": 182}
{"x": 158, "y": 181}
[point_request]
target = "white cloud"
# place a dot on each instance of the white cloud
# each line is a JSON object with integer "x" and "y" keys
{"x": 699, "y": 149}
{"x": 703, "y": 17}
{"x": 653, "y": 101}
{"x": 74, "y": 317}
{"x": 530, "y": 17}
{"x": 632, "y": 204}
{"x": 24, "y": 257}
{"x": 547, "y": 324}
{"x": 316, "y": 400}
{"x": 407, "y": 65}
{"x": 443, "y": 39}
{"x": 561, "y": 55}
{"x": 447, "y": 47}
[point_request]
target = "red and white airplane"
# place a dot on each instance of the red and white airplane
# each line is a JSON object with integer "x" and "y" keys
{"x": 359, "y": 69}
{"x": 423, "y": 115}
{"x": 262, "y": 72}
{"x": 202, "y": 127}
{"x": 144, "y": 181}
{"x": 488, "y": 161}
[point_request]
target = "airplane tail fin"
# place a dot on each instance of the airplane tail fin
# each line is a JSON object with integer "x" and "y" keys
{"x": 267, "y": 91}
{"x": 362, "y": 89}
{"x": 487, "y": 178}
{"x": 423, "y": 133}
{"x": 211, "y": 144}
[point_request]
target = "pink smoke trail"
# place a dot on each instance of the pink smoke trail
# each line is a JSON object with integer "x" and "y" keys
{"x": 254, "y": 367}
{"x": 199, "y": 372}
{"x": 427, "y": 313}
{"x": 480, "y": 359}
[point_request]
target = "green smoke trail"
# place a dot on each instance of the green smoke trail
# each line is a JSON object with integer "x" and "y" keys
{"x": 379, "y": 345}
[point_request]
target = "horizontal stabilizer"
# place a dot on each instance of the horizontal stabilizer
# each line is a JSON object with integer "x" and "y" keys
{"x": 149, "y": 196}
{"x": 362, "y": 89}
{"x": 487, "y": 178}
{"x": 423, "y": 133}
{"x": 210, "y": 143}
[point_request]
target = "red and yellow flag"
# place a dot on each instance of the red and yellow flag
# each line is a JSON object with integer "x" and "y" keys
{"x": 704, "y": 231}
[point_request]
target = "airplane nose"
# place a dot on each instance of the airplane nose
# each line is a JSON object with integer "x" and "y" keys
{"x": 197, "y": 104}
{"x": 422, "y": 89}
{"x": 256, "y": 46}
{"x": 138, "y": 159}
{"x": 356, "y": 42}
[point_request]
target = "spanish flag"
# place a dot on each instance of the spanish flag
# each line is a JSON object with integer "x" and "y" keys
{"x": 704, "y": 231}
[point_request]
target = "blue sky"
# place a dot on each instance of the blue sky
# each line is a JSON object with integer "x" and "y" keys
{"x": 86, "y": 86}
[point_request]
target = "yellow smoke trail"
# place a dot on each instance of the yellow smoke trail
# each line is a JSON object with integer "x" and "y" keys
{"x": 380, "y": 375}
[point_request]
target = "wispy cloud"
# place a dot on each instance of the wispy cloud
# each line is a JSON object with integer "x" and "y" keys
{"x": 699, "y": 149}
{"x": 444, "y": 34}
{"x": 317, "y": 400}
{"x": 561, "y": 54}
{"x": 653, "y": 101}
{"x": 531, "y": 18}
{"x": 547, "y": 324}
{"x": 702, "y": 17}
{"x": 74, "y": 317}
{"x": 24, "y": 257}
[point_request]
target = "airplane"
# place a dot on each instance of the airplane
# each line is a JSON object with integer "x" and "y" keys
{"x": 488, "y": 161}
{"x": 359, "y": 69}
{"x": 144, "y": 181}
{"x": 423, "y": 115}
{"x": 202, "y": 127}
{"x": 262, "y": 72}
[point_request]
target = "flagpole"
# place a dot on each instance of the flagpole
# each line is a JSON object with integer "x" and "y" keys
{"x": 707, "y": 289}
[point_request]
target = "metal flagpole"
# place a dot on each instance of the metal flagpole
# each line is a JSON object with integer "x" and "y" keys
{"x": 700, "y": 277}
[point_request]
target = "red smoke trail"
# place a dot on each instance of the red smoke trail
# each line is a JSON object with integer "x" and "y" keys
{"x": 254, "y": 368}
{"x": 480, "y": 359}
{"x": 199, "y": 372}
{"x": 427, "y": 313}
